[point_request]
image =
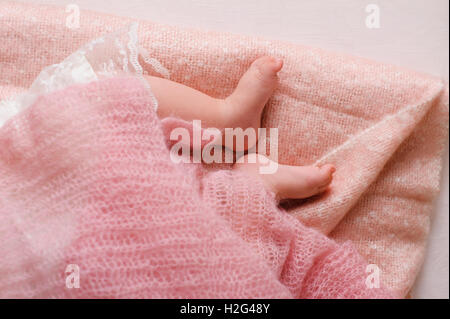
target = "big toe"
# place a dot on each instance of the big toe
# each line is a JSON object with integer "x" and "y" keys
{"x": 268, "y": 66}
{"x": 325, "y": 175}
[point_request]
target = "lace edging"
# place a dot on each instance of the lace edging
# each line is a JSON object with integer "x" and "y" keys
{"x": 107, "y": 56}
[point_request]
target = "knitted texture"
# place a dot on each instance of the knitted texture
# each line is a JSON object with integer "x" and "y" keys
{"x": 86, "y": 179}
{"x": 382, "y": 126}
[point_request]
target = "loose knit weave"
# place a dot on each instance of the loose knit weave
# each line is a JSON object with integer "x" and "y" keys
{"x": 86, "y": 179}
{"x": 382, "y": 126}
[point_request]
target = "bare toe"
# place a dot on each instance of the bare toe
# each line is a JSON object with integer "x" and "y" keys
{"x": 268, "y": 66}
{"x": 325, "y": 175}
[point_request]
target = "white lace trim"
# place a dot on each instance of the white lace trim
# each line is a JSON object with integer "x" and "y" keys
{"x": 111, "y": 55}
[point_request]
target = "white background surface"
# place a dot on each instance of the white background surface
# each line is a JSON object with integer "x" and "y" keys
{"x": 412, "y": 33}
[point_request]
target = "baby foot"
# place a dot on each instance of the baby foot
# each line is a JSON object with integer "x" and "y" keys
{"x": 288, "y": 181}
{"x": 247, "y": 102}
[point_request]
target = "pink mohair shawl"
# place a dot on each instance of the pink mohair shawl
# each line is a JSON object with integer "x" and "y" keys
{"x": 383, "y": 127}
{"x": 86, "y": 180}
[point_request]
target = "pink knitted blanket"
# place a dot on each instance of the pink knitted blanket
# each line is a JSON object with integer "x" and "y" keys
{"x": 382, "y": 126}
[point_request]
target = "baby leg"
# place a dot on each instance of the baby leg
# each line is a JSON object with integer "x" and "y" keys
{"x": 242, "y": 109}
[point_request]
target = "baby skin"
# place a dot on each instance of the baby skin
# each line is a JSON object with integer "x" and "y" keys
{"x": 243, "y": 109}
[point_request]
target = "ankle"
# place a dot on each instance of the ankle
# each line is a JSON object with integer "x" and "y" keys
{"x": 228, "y": 111}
